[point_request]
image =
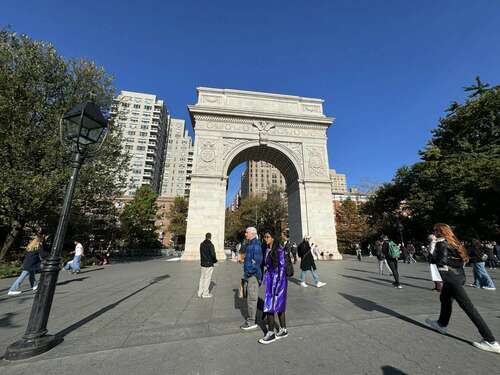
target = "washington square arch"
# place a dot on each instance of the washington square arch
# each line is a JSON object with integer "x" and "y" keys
{"x": 233, "y": 126}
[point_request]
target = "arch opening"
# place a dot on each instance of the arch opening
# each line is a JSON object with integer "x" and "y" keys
{"x": 287, "y": 167}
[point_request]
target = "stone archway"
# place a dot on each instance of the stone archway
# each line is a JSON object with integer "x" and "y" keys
{"x": 289, "y": 132}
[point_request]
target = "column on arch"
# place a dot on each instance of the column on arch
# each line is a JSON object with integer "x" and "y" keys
{"x": 321, "y": 216}
{"x": 206, "y": 214}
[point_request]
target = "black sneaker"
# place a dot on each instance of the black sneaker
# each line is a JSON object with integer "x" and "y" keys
{"x": 268, "y": 338}
{"x": 283, "y": 332}
{"x": 248, "y": 327}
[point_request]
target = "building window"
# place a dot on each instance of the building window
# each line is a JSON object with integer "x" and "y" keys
{"x": 131, "y": 132}
{"x": 148, "y": 107}
{"x": 143, "y": 134}
{"x": 140, "y": 148}
{"x": 137, "y": 106}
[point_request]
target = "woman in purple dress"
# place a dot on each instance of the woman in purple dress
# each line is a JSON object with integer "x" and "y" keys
{"x": 276, "y": 288}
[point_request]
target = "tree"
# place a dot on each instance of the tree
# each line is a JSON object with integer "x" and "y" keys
{"x": 457, "y": 180}
{"x": 177, "y": 216}
{"x": 352, "y": 224}
{"x": 36, "y": 87}
{"x": 138, "y": 228}
{"x": 262, "y": 213}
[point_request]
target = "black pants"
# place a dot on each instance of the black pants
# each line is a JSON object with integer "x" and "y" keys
{"x": 453, "y": 281}
{"x": 393, "y": 265}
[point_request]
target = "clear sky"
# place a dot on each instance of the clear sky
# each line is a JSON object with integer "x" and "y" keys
{"x": 386, "y": 69}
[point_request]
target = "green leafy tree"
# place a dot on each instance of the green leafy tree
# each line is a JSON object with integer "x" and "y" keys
{"x": 457, "y": 180}
{"x": 352, "y": 225}
{"x": 37, "y": 86}
{"x": 138, "y": 228}
{"x": 177, "y": 216}
{"x": 261, "y": 213}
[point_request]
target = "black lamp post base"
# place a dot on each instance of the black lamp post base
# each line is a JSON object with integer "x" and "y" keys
{"x": 24, "y": 348}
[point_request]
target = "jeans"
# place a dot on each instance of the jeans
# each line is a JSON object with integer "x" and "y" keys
{"x": 393, "y": 265}
{"x": 453, "y": 281}
{"x": 24, "y": 274}
{"x": 205, "y": 278}
{"x": 252, "y": 298}
{"x": 481, "y": 276}
{"x": 74, "y": 264}
{"x": 315, "y": 276}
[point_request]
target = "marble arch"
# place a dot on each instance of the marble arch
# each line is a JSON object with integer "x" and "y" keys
{"x": 232, "y": 126}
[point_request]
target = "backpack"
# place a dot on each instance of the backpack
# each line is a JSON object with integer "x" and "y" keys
{"x": 394, "y": 251}
{"x": 288, "y": 265}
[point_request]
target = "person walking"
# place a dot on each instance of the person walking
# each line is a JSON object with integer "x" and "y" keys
{"x": 450, "y": 256}
{"x": 252, "y": 273}
{"x": 491, "y": 262}
{"x": 477, "y": 257}
{"x": 358, "y": 252}
{"x": 74, "y": 265}
{"x": 35, "y": 251}
{"x": 391, "y": 252}
{"x": 307, "y": 264}
{"x": 208, "y": 259}
{"x": 435, "y": 276}
{"x": 411, "y": 253}
{"x": 381, "y": 259}
{"x": 294, "y": 252}
{"x": 276, "y": 284}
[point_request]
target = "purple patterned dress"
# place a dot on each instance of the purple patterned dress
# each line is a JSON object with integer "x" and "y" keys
{"x": 276, "y": 283}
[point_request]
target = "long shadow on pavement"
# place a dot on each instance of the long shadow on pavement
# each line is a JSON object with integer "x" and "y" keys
{"x": 61, "y": 334}
{"x": 72, "y": 280}
{"x": 368, "y": 305}
{"x": 92, "y": 270}
{"x": 389, "y": 370}
{"x": 405, "y": 284}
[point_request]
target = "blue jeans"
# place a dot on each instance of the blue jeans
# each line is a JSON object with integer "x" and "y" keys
{"x": 74, "y": 264}
{"x": 481, "y": 276}
{"x": 21, "y": 278}
{"x": 314, "y": 274}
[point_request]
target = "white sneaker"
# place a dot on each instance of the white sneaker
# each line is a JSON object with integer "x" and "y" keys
{"x": 489, "y": 288}
{"x": 35, "y": 287}
{"x": 436, "y": 326}
{"x": 303, "y": 284}
{"x": 268, "y": 338}
{"x": 206, "y": 296}
{"x": 14, "y": 292}
{"x": 320, "y": 284}
{"x": 493, "y": 347}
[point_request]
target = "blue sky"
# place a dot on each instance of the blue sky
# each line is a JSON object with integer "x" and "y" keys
{"x": 386, "y": 69}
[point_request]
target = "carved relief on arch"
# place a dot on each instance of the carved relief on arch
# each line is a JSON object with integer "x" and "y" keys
{"x": 207, "y": 155}
{"x": 296, "y": 150}
{"x": 229, "y": 144}
{"x": 316, "y": 162}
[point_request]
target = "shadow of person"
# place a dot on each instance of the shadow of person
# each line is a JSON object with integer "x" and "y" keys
{"x": 368, "y": 305}
{"x": 72, "y": 280}
{"x": 389, "y": 370}
{"x": 240, "y": 303}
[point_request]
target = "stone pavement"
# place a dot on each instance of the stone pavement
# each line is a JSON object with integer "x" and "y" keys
{"x": 144, "y": 318}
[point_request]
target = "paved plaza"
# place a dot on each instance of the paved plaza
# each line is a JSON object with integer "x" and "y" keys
{"x": 144, "y": 318}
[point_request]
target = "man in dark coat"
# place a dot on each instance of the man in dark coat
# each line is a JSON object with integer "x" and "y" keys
{"x": 208, "y": 259}
{"x": 307, "y": 264}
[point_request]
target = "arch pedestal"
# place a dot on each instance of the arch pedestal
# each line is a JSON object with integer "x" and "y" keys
{"x": 287, "y": 131}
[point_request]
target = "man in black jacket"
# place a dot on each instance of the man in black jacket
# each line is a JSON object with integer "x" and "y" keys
{"x": 208, "y": 259}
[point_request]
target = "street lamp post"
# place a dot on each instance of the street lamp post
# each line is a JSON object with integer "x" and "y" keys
{"x": 82, "y": 126}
